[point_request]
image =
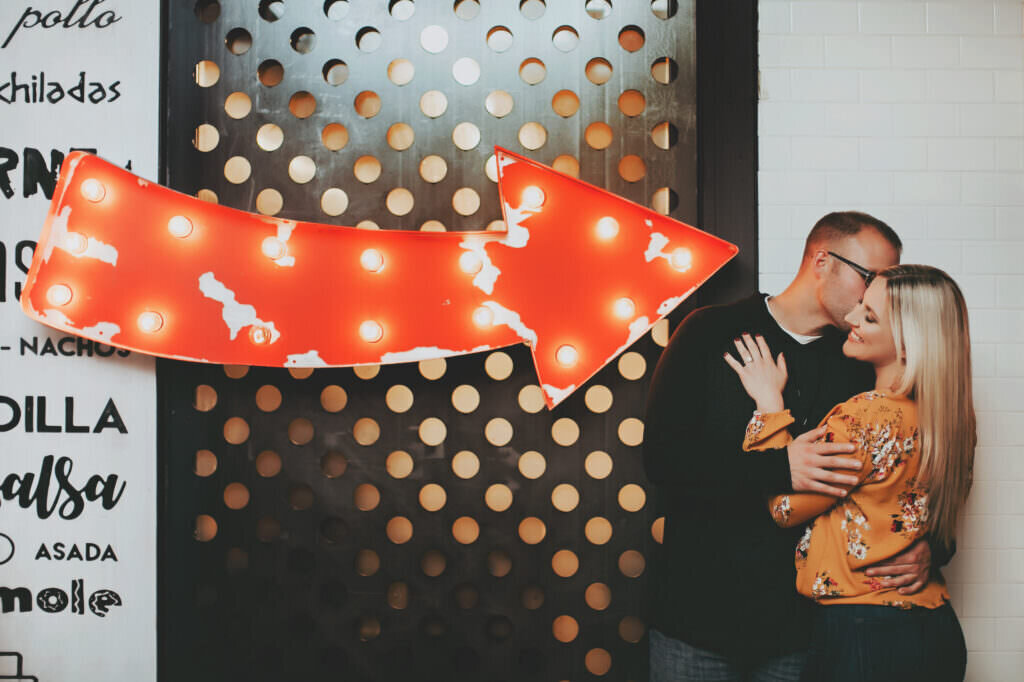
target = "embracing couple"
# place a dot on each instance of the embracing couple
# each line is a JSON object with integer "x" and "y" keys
{"x": 812, "y": 452}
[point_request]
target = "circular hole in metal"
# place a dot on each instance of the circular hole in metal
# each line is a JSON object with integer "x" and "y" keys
{"x": 268, "y": 464}
{"x": 367, "y": 104}
{"x": 271, "y": 10}
{"x": 205, "y": 463}
{"x": 268, "y": 398}
{"x": 664, "y": 9}
{"x": 498, "y": 497}
{"x": 205, "y": 528}
{"x": 433, "y": 168}
{"x": 236, "y": 496}
{"x": 206, "y": 73}
{"x": 269, "y": 137}
{"x": 334, "y": 136}
{"x": 206, "y": 138}
{"x": 466, "y": 136}
{"x": 366, "y": 431}
{"x": 532, "y": 71}
{"x": 300, "y": 431}
{"x": 303, "y": 40}
{"x": 565, "y": 628}
{"x": 565, "y": 497}
{"x": 565, "y": 103}
{"x": 400, "y": 136}
{"x": 565, "y": 38}
{"x": 532, "y": 597}
{"x": 532, "y": 135}
{"x": 400, "y": 201}
{"x": 499, "y": 563}
{"x": 466, "y": 201}
{"x": 664, "y": 70}
{"x": 598, "y": 9}
{"x": 336, "y": 10}
{"x": 334, "y": 201}
{"x": 565, "y": 563}
{"x": 631, "y": 38}
{"x": 433, "y": 103}
{"x": 367, "y": 169}
{"x": 499, "y": 39}
{"x": 236, "y": 430}
{"x": 465, "y": 464}
{"x": 302, "y": 104}
{"x": 598, "y": 530}
{"x": 632, "y": 103}
{"x": 207, "y": 11}
{"x": 270, "y": 72}
{"x": 401, "y": 9}
{"x": 598, "y": 661}
{"x": 532, "y": 9}
{"x": 399, "y": 530}
{"x": 664, "y": 200}
{"x": 467, "y": 9}
{"x": 665, "y": 135}
{"x": 333, "y": 464}
{"x": 598, "y": 135}
{"x": 632, "y": 168}
{"x": 599, "y": 71}
{"x": 466, "y": 71}
{"x": 598, "y": 465}
{"x": 499, "y": 103}
{"x": 366, "y": 497}
{"x": 401, "y": 71}
{"x": 367, "y": 562}
{"x": 301, "y": 169}
{"x": 434, "y": 39}
{"x": 567, "y": 164}
{"x": 335, "y": 72}
{"x": 399, "y": 464}
{"x": 532, "y": 530}
{"x": 368, "y": 39}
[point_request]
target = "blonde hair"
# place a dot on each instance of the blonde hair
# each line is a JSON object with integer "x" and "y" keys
{"x": 929, "y": 324}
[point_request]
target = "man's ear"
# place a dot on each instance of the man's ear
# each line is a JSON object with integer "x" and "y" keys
{"x": 820, "y": 263}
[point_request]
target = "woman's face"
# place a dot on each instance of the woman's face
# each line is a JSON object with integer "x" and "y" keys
{"x": 870, "y": 337}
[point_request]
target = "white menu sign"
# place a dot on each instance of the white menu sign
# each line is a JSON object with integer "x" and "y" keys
{"x": 78, "y": 509}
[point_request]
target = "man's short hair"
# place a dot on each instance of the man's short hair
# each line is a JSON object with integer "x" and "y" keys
{"x": 841, "y": 224}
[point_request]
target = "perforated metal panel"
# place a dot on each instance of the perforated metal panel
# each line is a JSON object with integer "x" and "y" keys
{"x": 286, "y": 536}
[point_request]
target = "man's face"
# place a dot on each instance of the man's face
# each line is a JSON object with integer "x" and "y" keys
{"x": 841, "y": 287}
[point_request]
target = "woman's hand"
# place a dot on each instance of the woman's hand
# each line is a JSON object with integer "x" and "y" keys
{"x": 762, "y": 377}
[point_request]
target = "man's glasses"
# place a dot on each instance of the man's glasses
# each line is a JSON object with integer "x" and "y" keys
{"x": 868, "y": 275}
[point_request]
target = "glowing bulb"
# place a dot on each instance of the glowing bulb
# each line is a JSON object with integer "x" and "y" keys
{"x": 150, "y": 322}
{"x": 624, "y": 308}
{"x": 372, "y": 260}
{"x": 59, "y": 294}
{"x": 273, "y": 248}
{"x": 179, "y": 226}
{"x": 483, "y": 317}
{"x": 93, "y": 190}
{"x": 567, "y": 356}
{"x": 76, "y": 243}
{"x": 371, "y": 331}
{"x": 607, "y": 227}
{"x": 533, "y": 197}
{"x": 259, "y": 335}
{"x": 681, "y": 259}
{"x": 470, "y": 263}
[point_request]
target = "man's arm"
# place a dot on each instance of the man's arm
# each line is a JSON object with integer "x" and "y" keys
{"x": 680, "y": 450}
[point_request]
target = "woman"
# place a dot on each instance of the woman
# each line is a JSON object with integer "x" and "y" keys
{"x": 915, "y": 434}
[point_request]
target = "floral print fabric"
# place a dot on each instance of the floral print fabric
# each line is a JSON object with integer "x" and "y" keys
{"x": 885, "y": 513}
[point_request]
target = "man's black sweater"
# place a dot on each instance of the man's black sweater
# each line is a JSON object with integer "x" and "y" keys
{"x": 725, "y": 577}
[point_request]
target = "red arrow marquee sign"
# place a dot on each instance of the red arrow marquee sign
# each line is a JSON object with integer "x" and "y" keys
{"x": 579, "y": 275}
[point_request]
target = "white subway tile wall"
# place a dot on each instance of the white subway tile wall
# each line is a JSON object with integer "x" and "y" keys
{"x": 914, "y": 111}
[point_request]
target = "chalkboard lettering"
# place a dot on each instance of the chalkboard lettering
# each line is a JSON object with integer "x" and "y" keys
{"x": 68, "y": 500}
{"x": 60, "y": 551}
{"x": 38, "y": 89}
{"x": 55, "y": 18}
{"x": 68, "y": 346}
{"x": 32, "y": 415}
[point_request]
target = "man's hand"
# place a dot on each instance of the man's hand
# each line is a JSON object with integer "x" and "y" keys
{"x": 811, "y": 464}
{"x": 909, "y": 571}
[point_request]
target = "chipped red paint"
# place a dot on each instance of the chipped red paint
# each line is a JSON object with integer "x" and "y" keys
{"x": 233, "y": 287}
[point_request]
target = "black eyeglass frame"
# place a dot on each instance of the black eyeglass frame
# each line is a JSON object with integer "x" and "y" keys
{"x": 868, "y": 275}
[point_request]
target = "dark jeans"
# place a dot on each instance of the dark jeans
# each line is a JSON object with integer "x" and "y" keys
{"x": 854, "y": 643}
{"x": 675, "y": 661}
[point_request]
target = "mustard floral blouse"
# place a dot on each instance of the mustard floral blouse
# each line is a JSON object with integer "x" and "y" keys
{"x": 881, "y": 516}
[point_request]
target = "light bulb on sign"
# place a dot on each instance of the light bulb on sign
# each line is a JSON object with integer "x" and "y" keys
{"x": 93, "y": 190}
{"x": 259, "y": 335}
{"x": 483, "y": 317}
{"x": 150, "y": 322}
{"x": 59, "y": 294}
{"x": 681, "y": 259}
{"x": 76, "y": 243}
{"x": 179, "y": 226}
{"x": 567, "y": 356}
{"x": 372, "y": 260}
{"x": 533, "y": 197}
{"x": 273, "y": 248}
{"x": 624, "y": 308}
{"x": 470, "y": 263}
{"x": 371, "y": 331}
{"x": 607, "y": 227}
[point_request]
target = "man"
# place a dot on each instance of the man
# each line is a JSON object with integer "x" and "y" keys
{"x": 726, "y": 607}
